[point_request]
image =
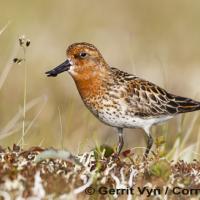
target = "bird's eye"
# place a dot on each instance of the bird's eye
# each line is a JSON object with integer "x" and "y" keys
{"x": 83, "y": 54}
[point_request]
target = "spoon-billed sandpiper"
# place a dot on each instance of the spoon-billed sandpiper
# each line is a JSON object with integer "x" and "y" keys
{"x": 117, "y": 98}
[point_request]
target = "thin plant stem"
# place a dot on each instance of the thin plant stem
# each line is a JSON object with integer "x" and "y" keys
{"x": 7, "y": 68}
{"x": 61, "y": 128}
{"x": 34, "y": 119}
{"x": 25, "y": 97}
{"x": 5, "y": 27}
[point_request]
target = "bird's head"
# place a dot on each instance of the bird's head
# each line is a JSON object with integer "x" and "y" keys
{"x": 83, "y": 61}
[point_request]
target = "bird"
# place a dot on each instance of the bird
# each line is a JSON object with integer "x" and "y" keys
{"x": 117, "y": 98}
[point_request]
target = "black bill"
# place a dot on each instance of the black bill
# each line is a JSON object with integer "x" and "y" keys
{"x": 59, "y": 69}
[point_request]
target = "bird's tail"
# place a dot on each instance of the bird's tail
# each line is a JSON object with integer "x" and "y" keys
{"x": 184, "y": 105}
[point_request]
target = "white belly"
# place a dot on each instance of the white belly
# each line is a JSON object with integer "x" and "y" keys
{"x": 124, "y": 121}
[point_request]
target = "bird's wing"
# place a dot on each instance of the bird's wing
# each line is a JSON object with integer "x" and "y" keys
{"x": 146, "y": 99}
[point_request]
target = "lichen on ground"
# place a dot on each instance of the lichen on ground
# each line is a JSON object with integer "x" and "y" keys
{"x": 53, "y": 174}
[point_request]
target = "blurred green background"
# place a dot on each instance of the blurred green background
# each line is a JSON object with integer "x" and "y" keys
{"x": 156, "y": 40}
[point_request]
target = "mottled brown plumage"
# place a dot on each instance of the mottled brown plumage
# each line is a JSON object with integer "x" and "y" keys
{"x": 117, "y": 98}
{"x": 147, "y": 100}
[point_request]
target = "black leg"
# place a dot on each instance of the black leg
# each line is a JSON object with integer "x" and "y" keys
{"x": 121, "y": 141}
{"x": 149, "y": 145}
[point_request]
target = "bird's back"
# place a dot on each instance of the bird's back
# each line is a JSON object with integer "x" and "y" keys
{"x": 147, "y": 100}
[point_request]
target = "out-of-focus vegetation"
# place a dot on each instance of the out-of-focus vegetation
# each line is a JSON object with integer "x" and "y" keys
{"x": 157, "y": 40}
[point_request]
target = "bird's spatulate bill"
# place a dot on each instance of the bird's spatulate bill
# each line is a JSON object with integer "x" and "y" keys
{"x": 59, "y": 69}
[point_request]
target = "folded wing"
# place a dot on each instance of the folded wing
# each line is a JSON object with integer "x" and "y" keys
{"x": 146, "y": 99}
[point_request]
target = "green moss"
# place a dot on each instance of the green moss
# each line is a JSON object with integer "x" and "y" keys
{"x": 160, "y": 169}
{"x": 103, "y": 150}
